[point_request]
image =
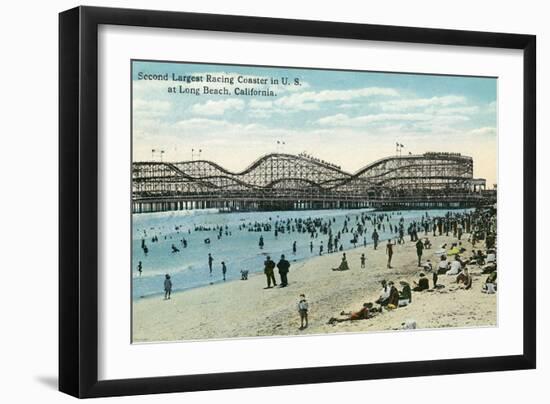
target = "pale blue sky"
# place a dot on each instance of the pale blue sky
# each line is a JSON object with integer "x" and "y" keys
{"x": 348, "y": 118}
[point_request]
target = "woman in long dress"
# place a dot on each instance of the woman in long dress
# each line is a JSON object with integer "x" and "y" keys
{"x": 343, "y": 265}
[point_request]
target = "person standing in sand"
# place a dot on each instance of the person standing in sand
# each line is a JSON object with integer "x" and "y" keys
{"x": 389, "y": 252}
{"x": 419, "y": 250}
{"x": 167, "y": 287}
{"x": 303, "y": 307}
{"x": 363, "y": 259}
{"x": 283, "y": 266}
{"x": 269, "y": 266}
{"x": 375, "y": 238}
{"x": 224, "y": 270}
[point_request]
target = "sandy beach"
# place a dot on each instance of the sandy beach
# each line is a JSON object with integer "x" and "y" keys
{"x": 245, "y": 309}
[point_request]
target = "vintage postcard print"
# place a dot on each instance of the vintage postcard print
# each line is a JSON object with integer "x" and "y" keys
{"x": 277, "y": 201}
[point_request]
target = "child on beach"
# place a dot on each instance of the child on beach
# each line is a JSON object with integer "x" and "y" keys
{"x": 363, "y": 259}
{"x": 303, "y": 306}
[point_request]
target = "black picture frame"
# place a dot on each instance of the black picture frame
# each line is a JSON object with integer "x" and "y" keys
{"x": 78, "y": 200}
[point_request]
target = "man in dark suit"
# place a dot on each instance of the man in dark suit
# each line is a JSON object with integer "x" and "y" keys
{"x": 269, "y": 266}
{"x": 283, "y": 266}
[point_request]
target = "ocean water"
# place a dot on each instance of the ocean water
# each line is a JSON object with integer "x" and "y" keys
{"x": 239, "y": 249}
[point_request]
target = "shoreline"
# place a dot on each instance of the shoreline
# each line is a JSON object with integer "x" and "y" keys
{"x": 294, "y": 263}
{"x": 186, "y": 278}
{"x": 240, "y": 309}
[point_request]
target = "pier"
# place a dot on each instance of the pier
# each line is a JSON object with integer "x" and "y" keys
{"x": 280, "y": 181}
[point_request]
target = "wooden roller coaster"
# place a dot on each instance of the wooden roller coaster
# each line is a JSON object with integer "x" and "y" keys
{"x": 280, "y": 181}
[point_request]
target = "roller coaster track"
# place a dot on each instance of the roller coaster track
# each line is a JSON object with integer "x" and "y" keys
{"x": 286, "y": 176}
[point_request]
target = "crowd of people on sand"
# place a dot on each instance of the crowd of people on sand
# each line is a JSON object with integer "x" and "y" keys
{"x": 476, "y": 228}
{"x": 454, "y": 261}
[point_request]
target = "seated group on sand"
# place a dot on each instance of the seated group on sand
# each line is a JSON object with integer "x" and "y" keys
{"x": 458, "y": 267}
{"x": 392, "y": 298}
{"x": 488, "y": 264}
